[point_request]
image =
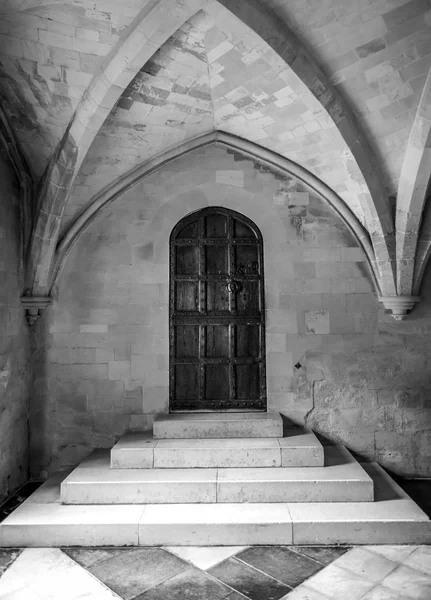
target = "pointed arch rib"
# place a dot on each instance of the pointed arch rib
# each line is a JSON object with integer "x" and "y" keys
{"x": 152, "y": 27}
{"x": 412, "y": 252}
{"x": 248, "y": 149}
{"x": 283, "y": 41}
{"x": 156, "y": 22}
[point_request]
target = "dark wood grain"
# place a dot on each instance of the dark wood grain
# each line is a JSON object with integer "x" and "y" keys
{"x": 217, "y": 329}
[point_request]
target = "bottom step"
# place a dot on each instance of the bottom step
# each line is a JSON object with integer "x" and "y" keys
{"x": 392, "y": 519}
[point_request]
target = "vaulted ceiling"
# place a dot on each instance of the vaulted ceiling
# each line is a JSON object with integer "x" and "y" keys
{"x": 93, "y": 90}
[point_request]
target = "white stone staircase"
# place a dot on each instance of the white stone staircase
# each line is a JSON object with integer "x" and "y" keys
{"x": 221, "y": 479}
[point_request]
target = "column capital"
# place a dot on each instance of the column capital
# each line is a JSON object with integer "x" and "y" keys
{"x": 399, "y": 305}
{"x": 34, "y": 305}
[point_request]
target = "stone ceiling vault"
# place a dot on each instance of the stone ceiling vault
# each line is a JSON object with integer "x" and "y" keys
{"x": 91, "y": 91}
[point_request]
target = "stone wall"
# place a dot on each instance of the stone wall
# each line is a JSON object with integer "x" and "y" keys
{"x": 14, "y": 341}
{"x": 335, "y": 360}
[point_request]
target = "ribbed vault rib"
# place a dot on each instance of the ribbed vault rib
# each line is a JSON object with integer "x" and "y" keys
{"x": 155, "y": 24}
{"x": 413, "y": 186}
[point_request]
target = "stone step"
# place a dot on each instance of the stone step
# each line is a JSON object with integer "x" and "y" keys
{"x": 43, "y": 521}
{"x": 342, "y": 480}
{"x": 300, "y": 448}
{"x": 218, "y": 425}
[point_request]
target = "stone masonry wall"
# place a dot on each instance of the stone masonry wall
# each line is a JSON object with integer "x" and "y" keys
{"x": 14, "y": 341}
{"x": 335, "y": 360}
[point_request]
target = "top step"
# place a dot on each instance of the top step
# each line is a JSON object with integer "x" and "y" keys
{"x": 218, "y": 425}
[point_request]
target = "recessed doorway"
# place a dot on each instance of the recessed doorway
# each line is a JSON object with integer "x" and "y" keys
{"x": 217, "y": 316}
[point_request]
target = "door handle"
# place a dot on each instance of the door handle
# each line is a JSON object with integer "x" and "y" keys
{"x": 232, "y": 287}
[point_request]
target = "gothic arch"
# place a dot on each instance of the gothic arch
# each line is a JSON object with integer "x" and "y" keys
{"x": 412, "y": 247}
{"x": 156, "y": 22}
{"x": 267, "y": 158}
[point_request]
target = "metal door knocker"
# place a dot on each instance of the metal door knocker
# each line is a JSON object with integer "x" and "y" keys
{"x": 232, "y": 287}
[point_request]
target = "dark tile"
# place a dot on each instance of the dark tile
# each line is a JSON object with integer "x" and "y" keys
{"x": 324, "y": 554}
{"x": 235, "y": 596}
{"x": 248, "y": 581}
{"x": 87, "y": 557}
{"x": 132, "y": 573}
{"x": 7, "y": 557}
{"x": 281, "y": 563}
{"x": 191, "y": 584}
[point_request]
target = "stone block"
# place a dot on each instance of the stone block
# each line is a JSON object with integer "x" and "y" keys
{"x": 57, "y": 40}
{"x": 361, "y": 303}
{"x": 341, "y": 323}
{"x": 95, "y": 371}
{"x": 85, "y": 355}
{"x": 279, "y": 363}
{"x": 138, "y": 423}
{"x": 352, "y": 255}
{"x": 94, "y": 328}
{"x": 119, "y": 369}
{"x": 281, "y": 321}
{"x": 218, "y": 425}
{"x": 405, "y": 12}
{"x": 317, "y": 322}
{"x": 276, "y": 342}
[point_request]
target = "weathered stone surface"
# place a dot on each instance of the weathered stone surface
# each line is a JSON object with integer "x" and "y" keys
{"x": 14, "y": 341}
{"x": 359, "y": 379}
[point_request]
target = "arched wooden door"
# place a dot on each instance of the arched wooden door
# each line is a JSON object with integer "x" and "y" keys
{"x": 217, "y": 317}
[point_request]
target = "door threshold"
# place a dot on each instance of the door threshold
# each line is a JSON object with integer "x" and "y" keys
{"x": 222, "y": 410}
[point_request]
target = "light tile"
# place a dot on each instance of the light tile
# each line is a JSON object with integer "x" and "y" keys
{"x": 409, "y": 583}
{"x": 339, "y": 584}
{"x": 303, "y": 592}
{"x": 395, "y": 553}
{"x": 381, "y": 593}
{"x": 205, "y": 557}
{"x": 366, "y": 564}
{"x": 49, "y": 575}
{"x": 420, "y": 559}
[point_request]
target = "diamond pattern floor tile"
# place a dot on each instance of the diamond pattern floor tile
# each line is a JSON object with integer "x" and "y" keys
{"x": 323, "y": 554}
{"x": 373, "y": 567}
{"x": 191, "y": 584}
{"x": 420, "y": 559}
{"x": 88, "y": 557}
{"x": 228, "y": 573}
{"x": 340, "y": 584}
{"x": 132, "y": 573}
{"x": 205, "y": 557}
{"x": 281, "y": 563}
{"x": 7, "y": 557}
{"x": 248, "y": 581}
{"x": 409, "y": 583}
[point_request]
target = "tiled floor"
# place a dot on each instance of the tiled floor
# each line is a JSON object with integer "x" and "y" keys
{"x": 228, "y": 573}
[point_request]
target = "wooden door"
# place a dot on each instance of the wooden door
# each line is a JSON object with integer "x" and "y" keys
{"x": 217, "y": 329}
